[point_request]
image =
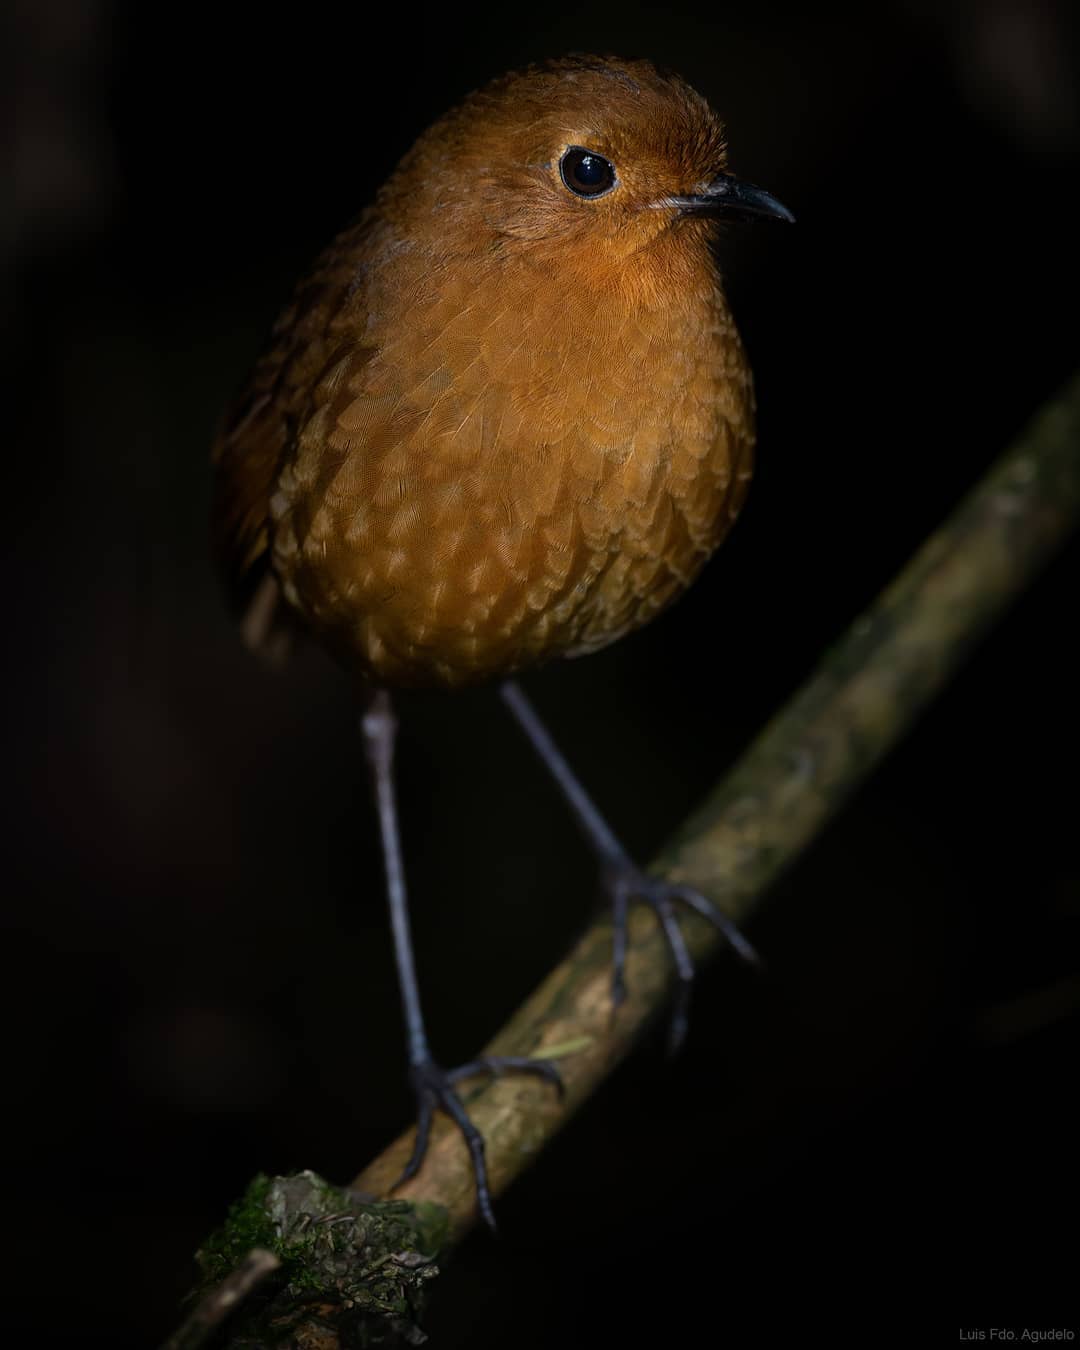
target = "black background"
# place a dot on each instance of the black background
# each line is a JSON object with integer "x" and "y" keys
{"x": 199, "y": 976}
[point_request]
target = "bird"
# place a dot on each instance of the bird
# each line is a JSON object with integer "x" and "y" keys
{"x": 505, "y": 419}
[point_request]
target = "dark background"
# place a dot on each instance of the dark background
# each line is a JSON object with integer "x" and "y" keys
{"x": 199, "y": 975}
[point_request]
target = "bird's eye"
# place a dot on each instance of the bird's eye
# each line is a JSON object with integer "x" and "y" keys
{"x": 586, "y": 173}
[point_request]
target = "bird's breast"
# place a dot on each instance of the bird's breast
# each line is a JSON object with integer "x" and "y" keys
{"x": 489, "y": 475}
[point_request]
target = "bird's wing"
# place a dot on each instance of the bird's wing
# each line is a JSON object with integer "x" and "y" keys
{"x": 257, "y": 433}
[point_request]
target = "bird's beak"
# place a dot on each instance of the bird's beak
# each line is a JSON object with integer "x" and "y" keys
{"x": 727, "y": 196}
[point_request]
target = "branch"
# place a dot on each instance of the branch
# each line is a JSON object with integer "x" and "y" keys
{"x": 867, "y": 692}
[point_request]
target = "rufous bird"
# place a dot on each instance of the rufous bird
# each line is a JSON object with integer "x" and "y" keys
{"x": 507, "y": 417}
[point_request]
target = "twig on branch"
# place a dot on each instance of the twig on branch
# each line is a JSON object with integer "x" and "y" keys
{"x": 865, "y": 695}
{"x": 212, "y": 1310}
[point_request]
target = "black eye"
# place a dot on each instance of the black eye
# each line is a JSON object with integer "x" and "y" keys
{"x": 586, "y": 173}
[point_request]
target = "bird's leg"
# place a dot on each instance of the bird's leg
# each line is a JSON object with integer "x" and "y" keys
{"x": 622, "y": 879}
{"x": 432, "y": 1085}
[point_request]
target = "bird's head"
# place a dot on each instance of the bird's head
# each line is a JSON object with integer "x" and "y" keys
{"x": 585, "y": 161}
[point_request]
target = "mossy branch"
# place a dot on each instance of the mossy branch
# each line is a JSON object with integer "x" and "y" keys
{"x": 867, "y": 692}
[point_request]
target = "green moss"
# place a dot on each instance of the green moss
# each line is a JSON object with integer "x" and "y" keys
{"x": 358, "y": 1269}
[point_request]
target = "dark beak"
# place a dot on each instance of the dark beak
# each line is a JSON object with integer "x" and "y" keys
{"x": 727, "y": 196}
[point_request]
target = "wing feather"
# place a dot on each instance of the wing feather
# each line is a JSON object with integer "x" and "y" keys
{"x": 257, "y": 434}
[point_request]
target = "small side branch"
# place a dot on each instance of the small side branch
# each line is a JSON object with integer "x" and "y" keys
{"x": 212, "y": 1310}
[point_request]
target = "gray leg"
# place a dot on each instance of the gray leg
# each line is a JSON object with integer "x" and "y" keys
{"x": 432, "y": 1085}
{"x": 621, "y": 877}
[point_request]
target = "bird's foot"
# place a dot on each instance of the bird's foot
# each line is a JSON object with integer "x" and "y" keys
{"x": 434, "y": 1087}
{"x": 626, "y": 884}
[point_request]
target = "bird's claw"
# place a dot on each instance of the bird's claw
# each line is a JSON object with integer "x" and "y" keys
{"x": 434, "y": 1087}
{"x": 626, "y": 884}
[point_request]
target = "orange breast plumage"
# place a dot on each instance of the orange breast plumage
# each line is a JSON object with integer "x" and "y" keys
{"x": 532, "y": 489}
